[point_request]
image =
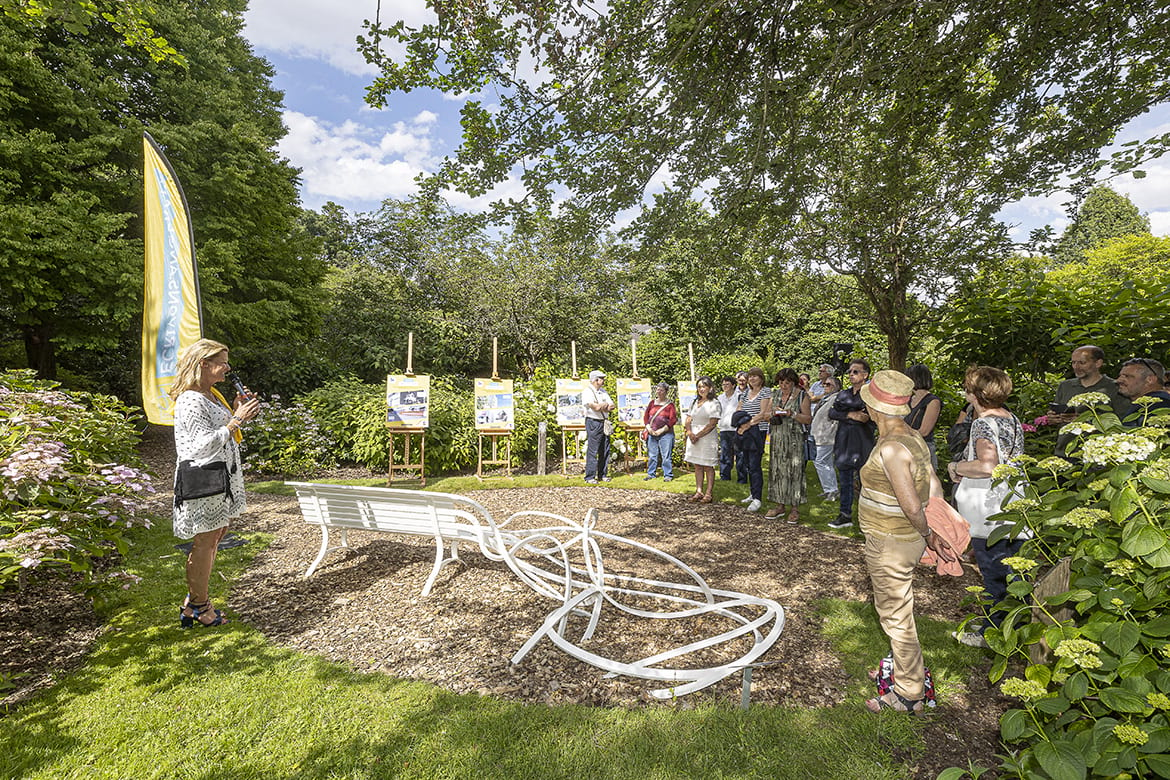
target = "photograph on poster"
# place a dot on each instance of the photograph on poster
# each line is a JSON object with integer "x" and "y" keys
{"x": 633, "y": 396}
{"x": 494, "y": 405}
{"x": 570, "y": 399}
{"x": 407, "y": 401}
{"x": 686, "y": 396}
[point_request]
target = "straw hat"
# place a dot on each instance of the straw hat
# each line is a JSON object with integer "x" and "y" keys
{"x": 889, "y": 392}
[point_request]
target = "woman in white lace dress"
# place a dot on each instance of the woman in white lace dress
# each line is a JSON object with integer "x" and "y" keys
{"x": 702, "y": 441}
{"x": 206, "y": 430}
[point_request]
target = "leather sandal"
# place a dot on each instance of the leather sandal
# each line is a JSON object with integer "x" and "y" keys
{"x": 775, "y": 514}
{"x": 908, "y": 706}
{"x": 705, "y": 500}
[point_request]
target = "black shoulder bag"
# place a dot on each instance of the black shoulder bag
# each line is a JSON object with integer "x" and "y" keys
{"x": 210, "y": 479}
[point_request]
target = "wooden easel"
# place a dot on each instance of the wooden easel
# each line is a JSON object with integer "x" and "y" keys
{"x": 420, "y": 434}
{"x": 495, "y": 436}
{"x": 572, "y": 450}
{"x": 495, "y": 460}
{"x": 408, "y": 466}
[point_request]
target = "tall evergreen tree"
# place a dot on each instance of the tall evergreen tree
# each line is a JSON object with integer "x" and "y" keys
{"x": 1102, "y": 216}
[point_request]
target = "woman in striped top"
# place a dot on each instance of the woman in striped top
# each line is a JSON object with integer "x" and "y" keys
{"x": 756, "y": 401}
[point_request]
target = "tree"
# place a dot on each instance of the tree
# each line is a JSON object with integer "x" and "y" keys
{"x": 1102, "y": 216}
{"x": 71, "y": 162}
{"x": 127, "y": 17}
{"x": 880, "y": 138}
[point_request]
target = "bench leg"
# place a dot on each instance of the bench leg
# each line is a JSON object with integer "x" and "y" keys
{"x": 326, "y": 549}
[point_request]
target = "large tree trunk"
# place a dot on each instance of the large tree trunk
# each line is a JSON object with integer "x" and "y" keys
{"x": 39, "y": 350}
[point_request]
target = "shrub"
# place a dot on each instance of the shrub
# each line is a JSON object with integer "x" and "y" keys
{"x": 286, "y": 439}
{"x": 67, "y": 496}
{"x": 1101, "y": 703}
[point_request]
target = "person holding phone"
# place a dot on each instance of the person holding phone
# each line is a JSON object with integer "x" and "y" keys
{"x": 1086, "y": 364}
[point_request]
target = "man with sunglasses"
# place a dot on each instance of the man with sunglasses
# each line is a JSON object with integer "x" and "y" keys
{"x": 1086, "y": 366}
{"x": 1142, "y": 377}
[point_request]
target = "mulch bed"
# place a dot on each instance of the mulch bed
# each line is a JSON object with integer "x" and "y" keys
{"x": 363, "y": 608}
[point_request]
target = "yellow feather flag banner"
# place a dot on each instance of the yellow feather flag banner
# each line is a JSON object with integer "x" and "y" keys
{"x": 171, "y": 315}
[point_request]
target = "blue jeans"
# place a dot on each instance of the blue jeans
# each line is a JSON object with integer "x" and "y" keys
{"x": 995, "y": 574}
{"x": 753, "y": 457}
{"x": 845, "y": 477}
{"x": 728, "y": 453}
{"x": 661, "y": 448}
{"x": 596, "y": 448}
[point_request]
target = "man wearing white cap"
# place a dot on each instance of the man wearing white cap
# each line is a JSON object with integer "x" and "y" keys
{"x": 598, "y": 405}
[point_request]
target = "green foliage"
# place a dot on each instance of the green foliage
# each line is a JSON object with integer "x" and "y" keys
{"x": 71, "y": 188}
{"x": 67, "y": 496}
{"x": 1115, "y": 298}
{"x": 127, "y": 17}
{"x": 285, "y": 439}
{"x": 1103, "y": 215}
{"x": 1099, "y": 704}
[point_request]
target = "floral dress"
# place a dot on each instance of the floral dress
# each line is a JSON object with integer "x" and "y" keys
{"x": 202, "y": 435}
{"x": 786, "y": 453}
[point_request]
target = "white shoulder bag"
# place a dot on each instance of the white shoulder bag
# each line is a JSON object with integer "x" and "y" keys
{"x": 977, "y": 499}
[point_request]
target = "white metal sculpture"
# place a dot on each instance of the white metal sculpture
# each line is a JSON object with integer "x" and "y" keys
{"x": 563, "y": 560}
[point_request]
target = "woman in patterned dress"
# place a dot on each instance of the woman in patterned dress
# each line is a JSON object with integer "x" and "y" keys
{"x": 791, "y": 411}
{"x": 206, "y": 430}
{"x": 702, "y": 441}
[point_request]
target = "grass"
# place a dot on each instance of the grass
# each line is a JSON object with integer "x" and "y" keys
{"x": 152, "y": 701}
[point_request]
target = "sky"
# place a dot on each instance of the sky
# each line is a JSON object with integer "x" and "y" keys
{"x": 357, "y": 156}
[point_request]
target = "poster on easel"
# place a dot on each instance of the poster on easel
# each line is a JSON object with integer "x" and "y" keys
{"x": 633, "y": 396}
{"x": 570, "y": 402}
{"x": 687, "y": 393}
{"x": 494, "y": 405}
{"x": 408, "y": 401}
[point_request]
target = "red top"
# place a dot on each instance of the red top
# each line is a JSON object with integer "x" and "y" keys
{"x": 665, "y": 413}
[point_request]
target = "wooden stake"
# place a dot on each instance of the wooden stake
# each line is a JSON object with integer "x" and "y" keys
{"x": 691, "y": 357}
{"x": 573, "y": 346}
{"x": 634, "y": 356}
{"x": 410, "y": 353}
{"x": 495, "y": 358}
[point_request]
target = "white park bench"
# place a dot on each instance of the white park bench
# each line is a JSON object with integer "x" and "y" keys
{"x": 563, "y": 560}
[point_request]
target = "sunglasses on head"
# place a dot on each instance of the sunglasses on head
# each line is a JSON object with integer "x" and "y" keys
{"x": 1143, "y": 362}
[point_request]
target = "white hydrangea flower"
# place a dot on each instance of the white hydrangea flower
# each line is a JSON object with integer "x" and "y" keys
{"x": 1078, "y": 428}
{"x": 1115, "y": 448}
{"x": 1089, "y": 399}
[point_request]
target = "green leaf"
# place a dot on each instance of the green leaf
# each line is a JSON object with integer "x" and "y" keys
{"x": 1155, "y": 484}
{"x": 952, "y": 773}
{"x": 1121, "y": 637}
{"x": 1159, "y": 626}
{"x": 1038, "y": 673}
{"x": 1141, "y": 538}
{"x": 1159, "y": 559}
{"x": 1053, "y": 705}
{"x": 1121, "y": 700}
{"x": 1159, "y": 764}
{"x": 1159, "y": 741}
{"x": 1061, "y": 760}
{"x": 1076, "y": 687}
{"x": 1014, "y": 725}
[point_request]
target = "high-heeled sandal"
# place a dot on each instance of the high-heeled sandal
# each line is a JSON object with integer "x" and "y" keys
{"x": 200, "y": 609}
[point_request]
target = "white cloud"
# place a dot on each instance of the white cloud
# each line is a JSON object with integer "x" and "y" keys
{"x": 352, "y": 162}
{"x": 325, "y": 29}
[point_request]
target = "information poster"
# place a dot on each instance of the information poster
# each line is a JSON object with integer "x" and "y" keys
{"x": 570, "y": 402}
{"x": 494, "y": 409}
{"x": 686, "y": 397}
{"x": 408, "y": 401}
{"x": 633, "y": 396}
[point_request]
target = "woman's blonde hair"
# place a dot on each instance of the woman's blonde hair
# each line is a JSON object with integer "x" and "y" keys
{"x": 189, "y": 372}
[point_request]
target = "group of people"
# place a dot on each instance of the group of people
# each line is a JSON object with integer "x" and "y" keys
{"x": 874, "y": 437}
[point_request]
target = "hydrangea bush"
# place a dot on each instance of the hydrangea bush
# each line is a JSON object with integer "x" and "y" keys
{"x": 1099, "y": 705}
{"x": 70, "y": 482}
{"x": 286, "y": 439}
